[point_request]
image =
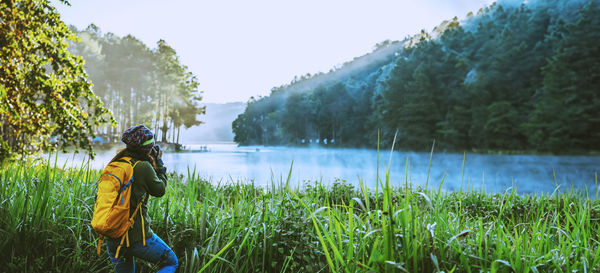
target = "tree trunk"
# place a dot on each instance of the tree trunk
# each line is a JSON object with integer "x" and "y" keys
{"x": 111, "y": 129}
{"x": 173, "y": 132}
{"x": 134, "y": 105}
{"x": 129, "y": 102}
{"x": 157, "y": 108}
{"x": 164, "y": 129}
{"x": 164, "y": 113}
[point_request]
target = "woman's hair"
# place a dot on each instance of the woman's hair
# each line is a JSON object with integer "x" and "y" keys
{"x": 137, "y": 155}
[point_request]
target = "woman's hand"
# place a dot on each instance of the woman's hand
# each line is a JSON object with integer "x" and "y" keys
{"x": 156, "y": 152}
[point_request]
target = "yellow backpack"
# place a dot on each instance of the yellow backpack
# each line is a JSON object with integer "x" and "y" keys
{"x": 111, "y": 210}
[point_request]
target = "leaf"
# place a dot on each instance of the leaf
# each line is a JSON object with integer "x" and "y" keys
{"x": 435, "y": 261}
{"x": 496, "y": 265}
{"x": 397, "y": 266}
{"x": 371, "y": 232}
{"x": 431, "y": 228}
{"x": 427, "y": 199}
{"x": 462, "y": 234}
{"x": 320, "y": 209}
{"x": 360, "y": 203}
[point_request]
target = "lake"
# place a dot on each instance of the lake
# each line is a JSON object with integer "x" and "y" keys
{"x": 225, "y": 162}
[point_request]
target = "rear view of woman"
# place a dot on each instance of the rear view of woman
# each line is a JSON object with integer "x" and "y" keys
{"x": 149, "y": 179}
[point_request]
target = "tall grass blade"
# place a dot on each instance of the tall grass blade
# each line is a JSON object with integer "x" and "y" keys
{"x": 429, "y": 165}
{"x": 215, "y": 256}
{"x": 462, "y": 175}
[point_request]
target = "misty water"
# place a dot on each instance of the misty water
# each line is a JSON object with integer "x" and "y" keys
{"x": 225, "y": 162}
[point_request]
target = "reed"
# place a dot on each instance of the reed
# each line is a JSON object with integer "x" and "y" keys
{"x": 239, "y": 227}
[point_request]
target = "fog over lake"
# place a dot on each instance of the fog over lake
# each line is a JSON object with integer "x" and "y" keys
{"x": 225, "y": 162}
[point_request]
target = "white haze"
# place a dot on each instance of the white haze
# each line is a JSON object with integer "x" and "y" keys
{"x": 225, "y": 163}
{"x": 216, "y": 125}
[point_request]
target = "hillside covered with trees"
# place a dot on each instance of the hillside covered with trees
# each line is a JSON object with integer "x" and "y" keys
{"x": 510, "y": 77}
{"x": 139, "y": 85}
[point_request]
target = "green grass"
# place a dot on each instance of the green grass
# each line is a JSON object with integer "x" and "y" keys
{"x": 239, "y": 227}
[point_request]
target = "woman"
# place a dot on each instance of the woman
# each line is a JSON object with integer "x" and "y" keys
{"x": 149, "y": 178}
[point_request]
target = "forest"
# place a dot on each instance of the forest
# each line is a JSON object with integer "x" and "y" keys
{"x": 139, "y": 85}
{"x": 62, "y": 87}
{"x": 512, "y": 77}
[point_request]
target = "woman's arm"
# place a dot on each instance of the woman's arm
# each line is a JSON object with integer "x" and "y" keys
{"x": 156, "y": 181}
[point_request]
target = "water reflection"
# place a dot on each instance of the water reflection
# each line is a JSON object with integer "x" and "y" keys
{"x": 227, "y": 162}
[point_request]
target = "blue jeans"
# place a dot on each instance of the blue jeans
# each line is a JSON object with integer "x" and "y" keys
{"x": 155, "y": 251}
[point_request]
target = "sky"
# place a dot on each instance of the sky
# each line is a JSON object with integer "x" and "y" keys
{"x": 239, "y": 49}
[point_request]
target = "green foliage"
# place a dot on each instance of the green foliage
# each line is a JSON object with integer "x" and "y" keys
{"x": 5, "y": 152}
{"x": 566, "y": 110}
{"x": 44, "y": 91}
{"x": 330, "y": 106}
{"x": 239, "y": 227}
{"x": 510, "y": 78}
{"x": 140, "y": 85}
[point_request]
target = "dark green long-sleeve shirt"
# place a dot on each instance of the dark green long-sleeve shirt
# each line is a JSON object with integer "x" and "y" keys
{"x": 145, "y": 180}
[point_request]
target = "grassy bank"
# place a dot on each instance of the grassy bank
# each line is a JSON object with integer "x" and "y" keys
{"x": 46, "y": 214}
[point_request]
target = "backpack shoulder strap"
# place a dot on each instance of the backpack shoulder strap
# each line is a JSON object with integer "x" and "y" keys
{"x": 134, "y": 162}
{"x": 124, "y": 159}
{"x": 130, "y": 160}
